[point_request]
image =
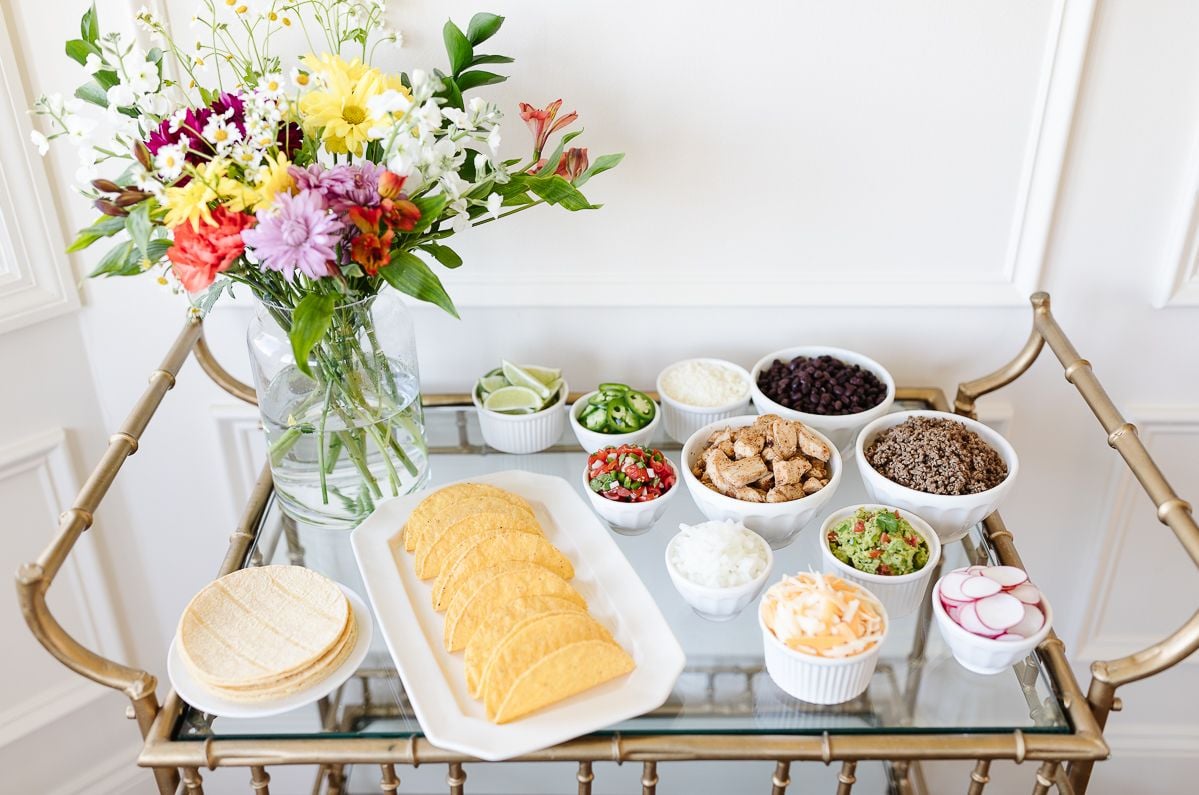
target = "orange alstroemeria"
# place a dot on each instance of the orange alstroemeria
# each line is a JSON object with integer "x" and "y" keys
{"x": 372, "y": 251}
{"x": 573, "y": 163}
{"x": 366, "y": 219}
{"x": 542, "y": 122}
{"x": 391, "y": 185}
{"x": 401, "y": 215}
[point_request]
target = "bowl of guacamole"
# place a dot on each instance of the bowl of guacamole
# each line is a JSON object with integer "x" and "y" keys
{"x": 890, "y": 552}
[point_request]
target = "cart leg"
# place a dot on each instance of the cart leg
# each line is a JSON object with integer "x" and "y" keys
{"x": 336, "y": 780}
{"x": 781, "y": 778}
{"x": 456, "y": 778}
{"x": 390, "y": 782}
{"x": 192, "y": 783}
{"x": 899, "y": 772}
{"x": 649, "y": 778}
{"x": 846, "y": 778}
{"x": 260, "y": 780}
{"x": 585, "y": 777}
{"x": 979, "y": 777}
{"x": 1046, "y": 774}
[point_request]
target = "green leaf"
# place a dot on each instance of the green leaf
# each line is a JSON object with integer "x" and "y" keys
{"x": 310, "y": 321}
{"x": 105, "y": 226}
{"x": 451, "y": 92}
{"x": 551, "y": 162}
{"x": 457, "y": 47}
{"x": 468, "y": 80}
{"x": 91, "y": 92}
{"x": 410, "y": 275}
{"x": 158, "y": 249}
{"x": 443, "y": 254}
{"x": 89, "y": 26}
{"x": 480, "y": 60}
{"x": 138, "y": 224}
{"x": 431, "y": 208}
{"x": 887, "y": 522}
{"x": 106, "y": 79}
{"x": 602, "y": 163}
{"x": 483, "y": 26}
{"x": 78, "y": 50}
{"x": 123, "y": 260}
{"x": 555, "y": 190}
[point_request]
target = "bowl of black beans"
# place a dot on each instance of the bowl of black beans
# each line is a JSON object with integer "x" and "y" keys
{"x": 832, "y": 390}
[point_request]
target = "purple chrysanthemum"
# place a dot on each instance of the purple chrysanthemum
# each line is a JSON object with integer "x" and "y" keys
{"x": 299, "y": 234}
{"x": 342, "y": 186}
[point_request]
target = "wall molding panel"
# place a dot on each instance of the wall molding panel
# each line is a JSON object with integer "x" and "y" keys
{"x": 36, "y": 280}
{"x": 1180, "y": 272}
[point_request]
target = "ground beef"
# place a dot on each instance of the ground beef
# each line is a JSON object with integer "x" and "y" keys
{"x": 937, "y": 456}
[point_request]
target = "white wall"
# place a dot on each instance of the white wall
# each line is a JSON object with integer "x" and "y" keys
{"x": 881, "y": 177}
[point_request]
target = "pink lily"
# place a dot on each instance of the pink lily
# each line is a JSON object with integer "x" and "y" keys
{"x": 541, "y": 122}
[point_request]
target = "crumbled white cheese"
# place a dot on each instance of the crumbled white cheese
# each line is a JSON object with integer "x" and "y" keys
{"x": 704, "y": 384}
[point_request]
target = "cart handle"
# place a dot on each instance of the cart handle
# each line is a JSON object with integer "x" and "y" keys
{"x": 1172, "y": 510}
{"x": 222, "y": 377}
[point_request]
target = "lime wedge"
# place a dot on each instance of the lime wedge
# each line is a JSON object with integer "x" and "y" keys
{"x": 517, "y": 376}
{"x": 546, "y": 375}
{"x": 491, "y": 383}
{"x": 513, "y": 399}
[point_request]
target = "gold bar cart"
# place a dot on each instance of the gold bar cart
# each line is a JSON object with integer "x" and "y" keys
{"x": 724, "y": 708}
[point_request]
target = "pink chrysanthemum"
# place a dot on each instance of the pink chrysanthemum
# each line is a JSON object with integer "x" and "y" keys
{"x": 299, "y": 234}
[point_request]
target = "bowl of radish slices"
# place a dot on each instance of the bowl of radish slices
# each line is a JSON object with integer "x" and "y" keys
{"x": 990, "y": 616}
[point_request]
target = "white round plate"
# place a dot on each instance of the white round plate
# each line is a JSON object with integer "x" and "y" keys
{"x": 200, "y": 697}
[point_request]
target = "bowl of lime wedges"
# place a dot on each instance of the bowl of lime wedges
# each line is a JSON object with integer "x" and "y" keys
{"x": 521, "y": 407}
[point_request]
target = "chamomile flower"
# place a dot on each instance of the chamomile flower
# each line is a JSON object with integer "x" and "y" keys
{"x": 301, "y": 79}
{"x": 245, "y": 155}
{"x": 170, "y": 161}
{"x": 271, "y": 86}
{"x": 221, "y": 133}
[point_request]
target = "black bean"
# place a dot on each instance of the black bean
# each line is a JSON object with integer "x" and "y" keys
{"x": 821, "y": 385}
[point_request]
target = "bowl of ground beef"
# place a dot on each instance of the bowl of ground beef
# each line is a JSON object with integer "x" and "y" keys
{"x": 949, "y": 470}
{"x": 833, "y": 390}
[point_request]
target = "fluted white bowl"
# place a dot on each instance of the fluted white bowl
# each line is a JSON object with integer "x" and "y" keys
{"x": 777, "y": 522}
{"x": 718, "y": 604}
{"x": 631, "y": 518}
{"x": 594, "y": 440}
{"x": 901, "y": 594}
{"x": 986, "y": 655}
{"x": 951, "y": 515}
{"x": 838, "y": 427}
{"x": 522, "y": 434}
{"x": 682, "y": 419}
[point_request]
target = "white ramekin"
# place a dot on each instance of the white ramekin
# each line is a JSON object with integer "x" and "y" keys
{"x": 951, "y": 515}
{"x": 838, "y": 427}
{"x": 777, "y": 522}
{"x": 986, "y": 655}
{"x": 593, "y": 440}
{"x": 900, "y": 594}
{"x": 718, "y": 604}
{"x": 681, "y": 420}
{"x": 819, "y": 680}
{"x": 523, "y": 433}
{"x": 632, "y": 518}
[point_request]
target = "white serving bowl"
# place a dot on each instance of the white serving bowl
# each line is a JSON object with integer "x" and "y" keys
{"x": 838, "y": 427}
{"x": 900, "y": 594}
{"x": 682, "y": 419}
{"x": 986, "y": 655}
{"x": 777, "y": 522}
{"x": 718, "y": 604}
{"x": 523, "y": 433}
{"x": 593, "y": 440}
{"x": 819, "y": 680}
{"x": 631, "y": 518}
{"x": 950, "y": 515}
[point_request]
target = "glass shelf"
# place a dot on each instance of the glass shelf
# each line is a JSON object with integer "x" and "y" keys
{"x": 918, "y": 688}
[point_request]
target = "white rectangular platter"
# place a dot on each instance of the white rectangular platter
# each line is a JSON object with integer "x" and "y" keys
{"x": 434, "y": 678}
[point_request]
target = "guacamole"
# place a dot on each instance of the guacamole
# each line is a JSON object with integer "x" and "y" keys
{"x": 878, "y": 542}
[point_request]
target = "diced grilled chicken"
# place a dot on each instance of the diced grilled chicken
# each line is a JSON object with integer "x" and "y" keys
{"x": 743, "y": 472}
{"x": 765, "y": 483}
{"x": 812, "y": 447}
{"x": 785, "y": 493}
{"x": 785, "y": 438}
{"x": 749, "y": 442}
{"x": 786, "y": 472}
{"x": 715, "y": 462}
{"x": 747, "y": 494}
{"x": 811, "y": 486}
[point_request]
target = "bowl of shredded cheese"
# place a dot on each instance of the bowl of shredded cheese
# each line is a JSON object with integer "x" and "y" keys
{"x": 696, "y": 392}
{"x": 821, "y": 636}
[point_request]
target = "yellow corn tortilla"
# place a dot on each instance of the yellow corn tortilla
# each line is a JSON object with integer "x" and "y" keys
{"x": 493, "y": 588}
{"x": 491, "y": 632}
{"x": 429, "y": 507}
{"x": 431, "y": 553}
{"x": 491, "y": 549}
{"x": 561, "y": 674}
{"x": 521, "y": 650}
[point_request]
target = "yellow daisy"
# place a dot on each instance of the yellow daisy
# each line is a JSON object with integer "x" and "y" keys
{"x": 190, "y": 202}
{"x": 271, "y": 180}
{"x": 338, "y": 108}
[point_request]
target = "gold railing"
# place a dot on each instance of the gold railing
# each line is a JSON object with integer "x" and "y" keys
{"x": 1080, "y": 749}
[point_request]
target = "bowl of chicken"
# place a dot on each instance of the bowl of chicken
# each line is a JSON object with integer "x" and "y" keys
{"x": 772, "y": 474}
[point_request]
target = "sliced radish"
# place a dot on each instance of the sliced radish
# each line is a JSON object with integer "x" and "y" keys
{"x": 975, "y": 569}
{"x": 1007, "y": 576}
{"x": 1010, "y": 636}
{"x": 1030, "y": 624}
{"x": 945, "y": 600}
{"x": 951, "y": 587}
{"x": 968, "y": 619}
{"x": 962, "y": 570}
{"x": 979, "y": 587}
{"x": 1027, "y": 592}
{"x": 999, "y": 611}
{"x": 955, "y": 613}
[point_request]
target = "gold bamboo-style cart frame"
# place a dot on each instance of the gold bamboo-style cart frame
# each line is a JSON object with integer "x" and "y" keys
{"x": 1066, "y": 760}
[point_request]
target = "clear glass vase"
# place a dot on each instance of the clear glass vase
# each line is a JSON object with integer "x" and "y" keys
{"x": 353, "y": 433}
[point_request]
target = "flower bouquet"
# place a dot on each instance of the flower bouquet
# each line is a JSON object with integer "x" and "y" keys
{"x": 324, "y": 185}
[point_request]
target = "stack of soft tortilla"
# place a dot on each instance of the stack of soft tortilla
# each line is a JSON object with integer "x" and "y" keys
{"x": 528, "y": 639}
{"x": 267, "y": 632}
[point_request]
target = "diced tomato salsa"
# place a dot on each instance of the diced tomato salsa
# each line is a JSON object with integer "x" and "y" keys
{"x": 630, "y": 473}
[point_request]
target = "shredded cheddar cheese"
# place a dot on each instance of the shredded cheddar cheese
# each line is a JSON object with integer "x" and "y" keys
{"x": 823, "y": 615}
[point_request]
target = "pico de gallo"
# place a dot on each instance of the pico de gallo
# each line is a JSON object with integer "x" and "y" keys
{"x": 630, "y": 473}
